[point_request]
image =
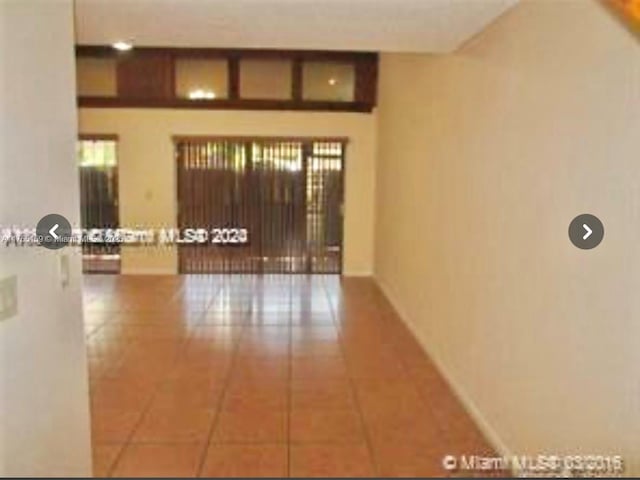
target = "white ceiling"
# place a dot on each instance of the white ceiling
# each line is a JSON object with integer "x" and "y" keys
{"x": 380, "y": 25}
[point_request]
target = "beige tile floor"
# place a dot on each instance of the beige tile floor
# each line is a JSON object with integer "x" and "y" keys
{"x": 214, "y": 376}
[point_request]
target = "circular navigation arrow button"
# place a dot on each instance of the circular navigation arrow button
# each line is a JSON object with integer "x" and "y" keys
{"x": 53, "y": 231}
{"x": 586, "y": 231}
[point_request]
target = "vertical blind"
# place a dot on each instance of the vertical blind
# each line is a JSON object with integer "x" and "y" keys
{"x": 287, "y": 194}
{"x": 98, "y": 172}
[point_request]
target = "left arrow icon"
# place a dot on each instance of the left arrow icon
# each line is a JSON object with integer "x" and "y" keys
{"x": 53, "y": 233}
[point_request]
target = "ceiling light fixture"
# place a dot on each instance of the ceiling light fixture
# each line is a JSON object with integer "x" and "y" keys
{"x": 200, "y": 94}
{"x": 122, "y": 46}
{"x": 332, "y": 81}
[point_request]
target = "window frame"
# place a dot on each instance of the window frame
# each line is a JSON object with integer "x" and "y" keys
{"x": 365, "y": 89}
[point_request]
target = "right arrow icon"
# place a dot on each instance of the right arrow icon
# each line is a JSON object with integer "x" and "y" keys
{"x": 586, "y": 231}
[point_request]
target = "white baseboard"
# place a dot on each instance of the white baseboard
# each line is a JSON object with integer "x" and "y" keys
{"x": 148, "y": 271}
{"x": 358, "y": 274}
{"x": 169, "y": 271}
{"x": 490, "y": 433}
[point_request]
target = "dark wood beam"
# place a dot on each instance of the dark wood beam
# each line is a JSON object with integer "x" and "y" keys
{"x": 234, "y": 77}
{"x": 146, "y": 78}
{"x": 223, "y": 104}
{"x": 296, "y": 79}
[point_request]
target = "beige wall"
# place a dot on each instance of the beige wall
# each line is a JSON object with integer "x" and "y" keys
{"x": 44, "y": 414}
{"x": 485, "y": 156}
{"x": 147, "y": 168}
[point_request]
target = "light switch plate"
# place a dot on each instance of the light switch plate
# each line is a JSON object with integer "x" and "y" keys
{"x": 64, "y": 272}
{"x": 8, "y": 297}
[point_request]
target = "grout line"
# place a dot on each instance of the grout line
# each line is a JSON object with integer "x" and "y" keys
{"x": 147, "y": 407}
{"x": 295, "y": 291}
{"x": 289, "y": 381}
{"x": 223, "y": 394}
{"x": 144, "y": 413}
{"x": 354, "y": 390}
{"x": 442, "y": 428}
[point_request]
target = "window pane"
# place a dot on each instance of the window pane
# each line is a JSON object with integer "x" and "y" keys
{"x": 97, "y": 153}
{"x": 328, "y": 81}
{"x": 201, "y": 79}
{"x": 265, "y": 79}
{"x": 96, "y": 77}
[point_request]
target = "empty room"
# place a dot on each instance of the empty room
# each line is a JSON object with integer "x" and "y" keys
{"x": 319, "y": 238}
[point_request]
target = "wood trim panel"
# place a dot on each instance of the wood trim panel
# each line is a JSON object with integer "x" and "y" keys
{"x": 261, "y": 138}
{"x": 296, "y": 79}
{"x": 97, "y": 137}
{"x": 151, "y": 75}
{"x": 146, "y": 78}
{"x": 315, "y": 55}
{"x": 224, "y": 104}
{"x": 234, "y": 77}
{"x": 366, "y": 88}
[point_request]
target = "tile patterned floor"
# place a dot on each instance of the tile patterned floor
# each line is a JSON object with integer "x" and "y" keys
{"x": 262, "y": 376}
